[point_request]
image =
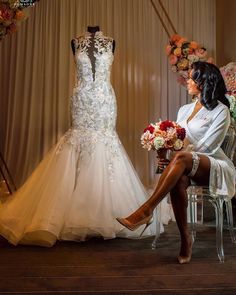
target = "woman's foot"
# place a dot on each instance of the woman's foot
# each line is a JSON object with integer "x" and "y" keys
{"x": 141, "y": 216}
{"x": 185, "y": 250}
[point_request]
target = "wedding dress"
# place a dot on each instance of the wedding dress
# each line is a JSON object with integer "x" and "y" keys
{"x": 86, "y": 180}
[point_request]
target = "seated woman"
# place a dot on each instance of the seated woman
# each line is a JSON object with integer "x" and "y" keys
{"x": 203, "y": 161}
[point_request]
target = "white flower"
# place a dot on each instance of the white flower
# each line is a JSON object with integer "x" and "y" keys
{"x": 146, "y": 140}
{"x": 192, "y": 58}
{"x": 178, "y": 144}
{"x": 159, "y": 142}
{"x": 232, "y": 101}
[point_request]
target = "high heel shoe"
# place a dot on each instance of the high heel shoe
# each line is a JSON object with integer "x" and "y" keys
{"x": 186, "y": 259}
{"x": 183, "y": 260}
{"x": 133, "y": 226}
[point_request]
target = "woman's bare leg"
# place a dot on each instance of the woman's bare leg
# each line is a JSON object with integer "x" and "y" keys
{"x": 179, "y": 166}
{"x": 179, "y": 201}
{"x": 175, "y": 180}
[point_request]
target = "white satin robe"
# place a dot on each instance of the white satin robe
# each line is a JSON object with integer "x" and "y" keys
{"x": 206, "y": 132}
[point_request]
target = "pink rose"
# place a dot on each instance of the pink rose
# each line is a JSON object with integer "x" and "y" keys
{"x": 201, "y": 52}
{"x": 168, "y": 49}
{"x": 173, "y": 59}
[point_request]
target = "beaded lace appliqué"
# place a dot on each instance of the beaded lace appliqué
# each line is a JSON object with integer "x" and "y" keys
{"x": 93, "y": 103}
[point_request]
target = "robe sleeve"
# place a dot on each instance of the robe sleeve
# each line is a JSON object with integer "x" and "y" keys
{"x": 182, "y": 113}
{"x": 214, "y": 137}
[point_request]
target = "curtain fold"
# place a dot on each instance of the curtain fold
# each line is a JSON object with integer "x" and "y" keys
{"x": 37, "y": 73}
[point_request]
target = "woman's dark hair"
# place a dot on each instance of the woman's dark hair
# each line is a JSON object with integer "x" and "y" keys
{"x": 211, "y": 84}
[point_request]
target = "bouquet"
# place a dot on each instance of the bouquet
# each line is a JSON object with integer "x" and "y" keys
{"x": 182, "y": 53}
{"x": 163, "y": 136}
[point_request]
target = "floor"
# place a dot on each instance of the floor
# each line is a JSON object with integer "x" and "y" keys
{"x": 119, "y": 266}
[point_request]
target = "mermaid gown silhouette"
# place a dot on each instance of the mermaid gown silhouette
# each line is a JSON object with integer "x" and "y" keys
{"x": 86, "y": 179}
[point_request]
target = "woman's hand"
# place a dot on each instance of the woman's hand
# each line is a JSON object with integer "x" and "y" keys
{"x": 186, "y": 143}
{"x": 162, "y": 164}
{"x": 188, "y": 146}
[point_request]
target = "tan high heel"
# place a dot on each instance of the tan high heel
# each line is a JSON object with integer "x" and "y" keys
{"x": 186, "y": 259}
{"x": 133, "y": 226}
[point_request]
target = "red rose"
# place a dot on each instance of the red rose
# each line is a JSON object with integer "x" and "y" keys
{"x": 150, "y": 128}
{"x": 166, "y": 124}
{"x": 181, "y": 133}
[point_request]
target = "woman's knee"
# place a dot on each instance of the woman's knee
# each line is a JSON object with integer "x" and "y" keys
{"x": 183, "y": 158}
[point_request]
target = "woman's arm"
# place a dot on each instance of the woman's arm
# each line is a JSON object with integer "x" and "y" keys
{"x": 213, "y": 138}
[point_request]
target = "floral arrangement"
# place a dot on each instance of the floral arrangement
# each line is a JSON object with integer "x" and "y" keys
{"x": 229, "y": 74}
{"x": 11, "y": 14}
{"x": 163, "y": 135}
{"x": 182, "y": 53}
{"x": 232, "y": 101}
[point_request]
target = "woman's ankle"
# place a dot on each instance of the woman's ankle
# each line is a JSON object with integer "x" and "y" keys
{"x": 143, "y": 212}
{"x": 186, "y": 246}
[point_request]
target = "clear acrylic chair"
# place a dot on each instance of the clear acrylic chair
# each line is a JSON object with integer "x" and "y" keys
{"x": 158, "y": 222}
{"x": 197, "y": 194}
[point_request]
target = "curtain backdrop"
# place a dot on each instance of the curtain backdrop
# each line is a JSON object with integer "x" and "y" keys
{"x": 37, "y": 73}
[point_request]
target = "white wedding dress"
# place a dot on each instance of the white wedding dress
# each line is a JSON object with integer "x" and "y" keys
{"x": 86, "y": 180}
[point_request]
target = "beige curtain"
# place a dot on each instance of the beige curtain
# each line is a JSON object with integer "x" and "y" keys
{"x": 37, "y": 73}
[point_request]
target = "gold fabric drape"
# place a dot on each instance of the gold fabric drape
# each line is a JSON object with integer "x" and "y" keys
{"x": 37, "y": 73}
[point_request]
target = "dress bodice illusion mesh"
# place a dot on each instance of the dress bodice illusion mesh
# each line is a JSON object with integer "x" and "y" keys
{"x": 86, "y": 180}
{"x": 93, "y": 103}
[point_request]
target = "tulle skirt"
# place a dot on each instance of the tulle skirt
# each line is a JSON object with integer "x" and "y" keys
{"x": 75, "y": 195}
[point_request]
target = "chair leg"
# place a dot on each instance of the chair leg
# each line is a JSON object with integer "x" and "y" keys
{"x": 230, "y": 220}
{"x": 192, "y": 209}
{"x": 218, "y": 205}
{"x": 158, "y": 226}
{"x": 154, "y": 243}
{"x": 202, "y": 212}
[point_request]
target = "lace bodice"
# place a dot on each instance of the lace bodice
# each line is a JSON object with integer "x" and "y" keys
{"x": 94, "y": 57}
{"x": 93, "y": 104}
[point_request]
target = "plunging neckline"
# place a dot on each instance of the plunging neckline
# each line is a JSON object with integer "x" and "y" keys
{"x": 92, "y": 41}
{"x": 187, "y": 120}
{"x": 91, "y": 47}
{"x": 91, "y": 52}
